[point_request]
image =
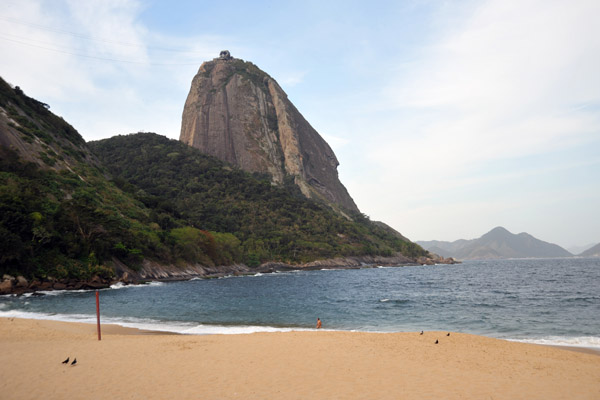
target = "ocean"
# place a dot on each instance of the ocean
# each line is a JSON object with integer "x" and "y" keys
{"x": 546, "y": 301}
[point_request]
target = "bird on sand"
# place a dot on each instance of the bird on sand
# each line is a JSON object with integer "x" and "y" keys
{"x": 436, "y": 341}
{"x": 421, "y": 332}
{"x": 448, "y": 334}
{"x": 66, "y": 361}
{"x": 74, "y": 361}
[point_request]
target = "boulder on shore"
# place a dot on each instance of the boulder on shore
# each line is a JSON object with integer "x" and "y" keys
{"x": 6, "y": 286}
{"x": 22, "y": 282}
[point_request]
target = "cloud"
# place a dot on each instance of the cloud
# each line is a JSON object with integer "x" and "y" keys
{"x": 509, "y": 81}
{"x": 336, "y": 142}
{"x": 292, "y": 78}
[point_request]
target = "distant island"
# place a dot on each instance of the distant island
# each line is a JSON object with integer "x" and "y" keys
{"x": 499, "y": 243}
{"x": 591, "y": 252}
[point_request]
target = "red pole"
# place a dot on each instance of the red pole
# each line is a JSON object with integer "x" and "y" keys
{"x": 98, "y": 313}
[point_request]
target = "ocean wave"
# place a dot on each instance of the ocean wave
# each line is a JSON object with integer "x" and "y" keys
{"x": 121, "y": 285}
{"x": 394, "y": 301}
{"x": 236, "y": 330}
{"x": 283, "y": 273}
{"x": 585, "y": 299}
{"x": 581, "y": 341}
{"x": 59, "y": 292}
{"x": 118, "y": 285}
{"x": 184, "y": 328}
{"x": 86, "y": 318}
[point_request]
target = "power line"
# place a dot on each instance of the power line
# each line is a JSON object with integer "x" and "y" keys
{"x": 19, "y": 39}
{"x": 96, "y": 57}
{"x": 89, "y": 37}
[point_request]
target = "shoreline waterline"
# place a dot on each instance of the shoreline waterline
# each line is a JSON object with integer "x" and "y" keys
{"x": 132, "y": 328}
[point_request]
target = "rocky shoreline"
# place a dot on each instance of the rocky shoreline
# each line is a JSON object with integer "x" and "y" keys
{"x": 153, "y": 271}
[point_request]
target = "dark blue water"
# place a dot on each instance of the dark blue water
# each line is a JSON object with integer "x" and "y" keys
{"x": 554, "y": 300}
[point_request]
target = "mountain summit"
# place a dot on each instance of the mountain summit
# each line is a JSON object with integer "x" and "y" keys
{"x": 497, "y": 243}
{"x": 239, "y": 114}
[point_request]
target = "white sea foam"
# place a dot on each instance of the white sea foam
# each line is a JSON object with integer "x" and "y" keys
{"x": 60, "y": 292}
{"x": 384, "y": 300}
{"x": 185, "y": 328}
{"x": 118, "y": 285}
{"x": 121, "y": 285}
{"x": 581, "y": 341}
{"x": 235, "y": 330}
{"x": 284, "y": 273}
{"x": 47, "y": 316}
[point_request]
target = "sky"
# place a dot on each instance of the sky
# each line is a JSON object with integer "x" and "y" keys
{"x": 448, "y": 118}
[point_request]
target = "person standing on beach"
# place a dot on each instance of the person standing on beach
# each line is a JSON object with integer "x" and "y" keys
{"x": 318, "y": 323}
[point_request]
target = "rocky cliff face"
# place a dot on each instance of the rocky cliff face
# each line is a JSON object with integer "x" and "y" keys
{"x": 238, "y": 113}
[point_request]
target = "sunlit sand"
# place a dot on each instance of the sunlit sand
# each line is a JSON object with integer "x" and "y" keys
{"x": 132, "y": 364}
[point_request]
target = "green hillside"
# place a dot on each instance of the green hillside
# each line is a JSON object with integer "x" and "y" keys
{"x": 271, "y": 223}
{"x": 59, "y": 215}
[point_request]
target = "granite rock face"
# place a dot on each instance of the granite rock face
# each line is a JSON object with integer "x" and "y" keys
{"x": 239, "y": 114}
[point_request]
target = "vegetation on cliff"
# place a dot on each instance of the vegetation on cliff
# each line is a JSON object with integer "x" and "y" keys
{"x": 59, "y": 215}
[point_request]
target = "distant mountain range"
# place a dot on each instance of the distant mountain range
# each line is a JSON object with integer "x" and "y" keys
{"x": 500, "y": 243}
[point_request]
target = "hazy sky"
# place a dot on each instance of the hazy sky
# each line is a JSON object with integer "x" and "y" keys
{"x": 448, "y": 117}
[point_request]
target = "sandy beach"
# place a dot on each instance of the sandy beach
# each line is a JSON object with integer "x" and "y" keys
{"x": 130, "y": 364}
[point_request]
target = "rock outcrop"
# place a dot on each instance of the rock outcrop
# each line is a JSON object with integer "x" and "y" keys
{"x": 20, "y": 285}
{"x": 36, "y": 135}
{"x": 239, "y": 114}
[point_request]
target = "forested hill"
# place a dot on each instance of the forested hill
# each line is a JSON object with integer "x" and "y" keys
{"x": 60, "y": 217}
{"x": 266, "y": 223}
